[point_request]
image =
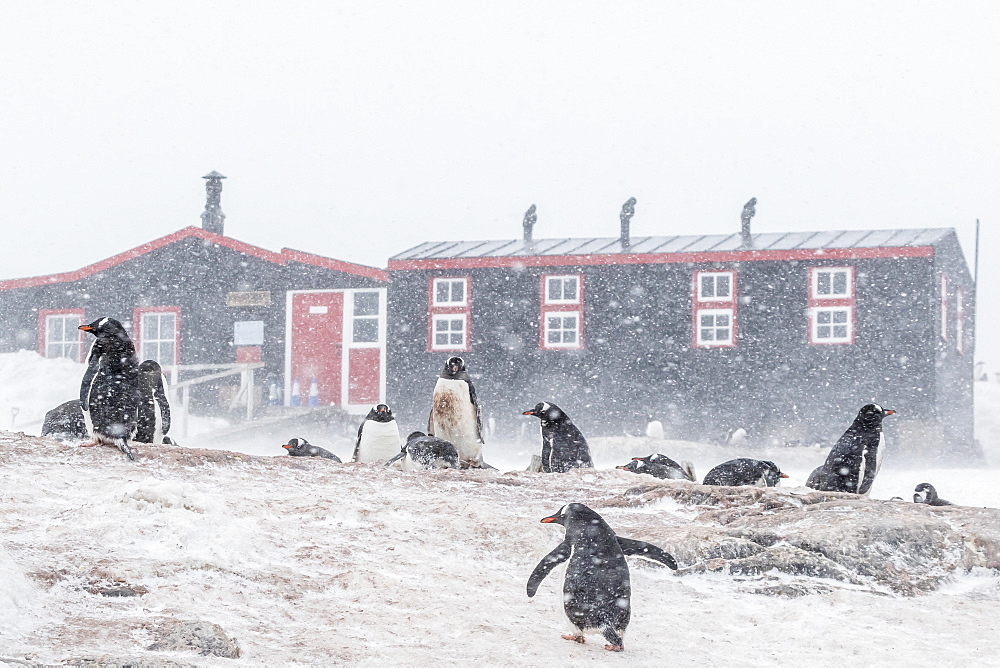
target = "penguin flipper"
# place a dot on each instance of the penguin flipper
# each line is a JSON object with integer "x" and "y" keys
{"x": 123, "y": 446}
{"x": 479, "y": 414}
{"x": 396, "y": 458}
{"x": 545, "y": 566}
{"x": 357, "y": 443}
{"x": 161, "y": 399}
{"x": 638, "y": 548}
{"x": 93, "y": 364}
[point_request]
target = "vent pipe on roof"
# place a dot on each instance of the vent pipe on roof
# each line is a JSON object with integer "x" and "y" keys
{"x": 529, "y": 223}
{"x": 212, "y": 218}
{"x": 746, "y": 240}
{"x": 628, "y": 210}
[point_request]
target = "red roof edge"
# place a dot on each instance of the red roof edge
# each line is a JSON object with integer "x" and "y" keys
{"x": 291, "y": 255}
{"x": 191, "y": 231}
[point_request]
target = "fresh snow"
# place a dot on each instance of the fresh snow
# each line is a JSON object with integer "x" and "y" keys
{"x": 305, "y": 561}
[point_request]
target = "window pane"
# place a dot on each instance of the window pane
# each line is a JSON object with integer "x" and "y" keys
{"x": 840, "y": 316}
{"x": 722, "y": 286}
{"x": 456, "y": 339}
{"x": 707, "y": 320}
{"x": 441, "y": 292}
{"x": 707, "y": 335}
{"x": 554, "y": 323}
{"x": 823, "y": 332}
{"x": 569, "y": 337}
{"x": 553, "y": 337}
{"x": 458, "y": 291}
{"x": 569, "y": 289}
{"x": 840, "y": 283}
{"x": 365, "y": 330}
{"x": 840, "y": 331}
{"x": 823, "y": 317}
{"x": 722, "y": 334}
{"x": 569, "y": 323}
{"x": 823, "y": 282}
{"x": 555, "y": 288}
{"x": 441, "y": 339}
{"x": 166, "y": 353}
{"x": 441, "y": 325}
{"x": 722, "y": 320}
{"x": 707, "y": 286}
{"x": 457, "y": 325}
{"x": 167, "y": 326}
{"x": 365, "y": 303}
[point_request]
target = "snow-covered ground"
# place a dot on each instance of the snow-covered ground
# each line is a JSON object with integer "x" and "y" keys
{"x": 310, "y": 562}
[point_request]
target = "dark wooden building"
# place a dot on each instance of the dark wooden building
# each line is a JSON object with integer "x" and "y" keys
{"x": 785, "y": 335}
{"x": 197, "y": 297}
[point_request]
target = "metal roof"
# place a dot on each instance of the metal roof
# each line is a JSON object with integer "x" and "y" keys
{"x": 691, "y": 243}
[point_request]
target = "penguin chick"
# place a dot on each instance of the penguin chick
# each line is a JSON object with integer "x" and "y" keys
{"x": 925, "y": 493}
{"x": 563, "y": 445}
{"x": 744, "y": 471}
{"x": 300, "y": 447}
{"x": 596, "y": 590}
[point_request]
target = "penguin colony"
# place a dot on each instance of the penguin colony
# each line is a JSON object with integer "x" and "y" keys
{"x": 122, "y": 401}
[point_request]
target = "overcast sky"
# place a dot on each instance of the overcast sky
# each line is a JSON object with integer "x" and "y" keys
{"x": 358, "y": 130}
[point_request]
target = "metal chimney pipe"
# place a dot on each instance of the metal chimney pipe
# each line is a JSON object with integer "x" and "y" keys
{"x": 529, "y": 223}
{"x": 628, "y": 210}
{"x": 746, "y": 240}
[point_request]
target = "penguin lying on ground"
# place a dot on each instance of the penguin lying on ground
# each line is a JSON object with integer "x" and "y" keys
{"x": 426, "y": 452}
{"x": 66, "y": 421}
{"x": 455, "y": 414}
{"x": 109, "y": 393}
{"x": 378, "y": 436}
{"x": 662, "y": 467}
{"x": 300, "y": 447}
{"x": 925, "y": 493}
{"x": 743, "y": 471}
{"x": 856, "y": 457}
{"x": 563, "y": 446}
{"x": 597, "y": 590}
{"x": 153, "y": 417}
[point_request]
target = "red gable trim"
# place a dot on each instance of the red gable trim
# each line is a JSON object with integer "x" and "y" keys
{"x": 663, "y": 258}
{"x": 197, "y": 232}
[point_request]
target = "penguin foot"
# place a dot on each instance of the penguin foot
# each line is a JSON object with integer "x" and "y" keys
{"x": 91, "y": 444}
{"x": 127, "y": 450}
{"x": 579, "y": 639}
{"x": 614, "y": 648}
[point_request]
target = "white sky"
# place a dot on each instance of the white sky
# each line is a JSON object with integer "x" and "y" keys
{"x": 357, "y": 130}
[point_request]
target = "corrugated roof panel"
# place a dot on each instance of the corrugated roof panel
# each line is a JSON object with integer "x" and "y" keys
{"x": 644, "y": 244}
{"x": 706, "y": 243}
{"x": 538, "y": 247}
{"x": 791, "y": 240}
{"x": 434, "y": 250}
{"x": 931, "y": 236}
{"x": 876, "y": 238}
{"x": 565, "y": 247}
{"x": 594, "y": 246}
{"x": 903, "y": 237}
{"x": 729, "y": 242}
{"x": 816, "y": 240}
{"x": 848, "y": 239}
{"x": 768, "y": 240}
{"x": 494, "y": 248}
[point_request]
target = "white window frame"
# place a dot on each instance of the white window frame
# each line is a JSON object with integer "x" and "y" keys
{"x": 450, "y": 317}
{"x": 73, "y": 344}
{"x": 714, "y": 312}
{"x": 815, "y": 324}
{"x": 567, "y": 278}
{"x": 577, "y": 315}
{"x": 715, "y": 275}
{"x": 145, "y": 341}
{"x": 352, "y": 318}
{"x": 444, "y": 279}
{"x": 960, "y": 320}
{"x": 848, "y": 273}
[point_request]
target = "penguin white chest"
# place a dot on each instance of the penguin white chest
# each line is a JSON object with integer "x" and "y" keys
{"x": 455, "y": 419}
{"x": 379, "y": 440}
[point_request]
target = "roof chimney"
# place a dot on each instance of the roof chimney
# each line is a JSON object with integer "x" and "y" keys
{"x": 212, "y": 218}
{"x": 529, "y": 223}
{"x": 628, "y": 210}
{"x": 746, "y": 241}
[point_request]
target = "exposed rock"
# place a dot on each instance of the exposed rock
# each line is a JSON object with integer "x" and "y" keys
{"x": 205, "y": 638}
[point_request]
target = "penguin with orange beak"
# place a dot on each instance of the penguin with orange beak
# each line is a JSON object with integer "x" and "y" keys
{"x": 856, "y": 457}
{"x": 109, "y": 393}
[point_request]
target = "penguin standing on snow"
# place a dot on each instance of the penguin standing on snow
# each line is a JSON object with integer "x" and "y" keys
{"x": 563, "y": 446}
{"x": 925, "y": 493}
{"x": 378, "y": 436}
{"x": 856, "y": 457}
{"x": 109, "y": 393}
{"x": 300, "y": 447}
{"x": 744, "y": 471}
{"x": 153, "y": 418}
{"x": 426, "y": 452}
{"x": 597, "y": 590}
{"x": 455, "y": 414}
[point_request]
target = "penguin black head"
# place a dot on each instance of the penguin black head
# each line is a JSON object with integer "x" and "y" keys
{"x": 416, "y": 434}
{"x": 925, "y": 493}
{"x": 872, "y": 415}
{"x": 106, "y": 327}
{"x": 296, "y": 446}
{"x": 635, "y": 466}
{"x": 772, "y": 473}
{"x": 380, "y": 413}
{"x": 150, "y": 367}
{"x": 453, "y": 367}
{"x": 546, "y": 412}
{"x": 572, "y": 512}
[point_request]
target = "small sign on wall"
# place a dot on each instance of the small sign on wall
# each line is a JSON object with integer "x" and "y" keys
{"x": 248, "y": 333}
{"x": 255, "y": 298}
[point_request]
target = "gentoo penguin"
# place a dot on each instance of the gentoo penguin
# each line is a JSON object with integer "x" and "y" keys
{"x": 455, "y": 414}
{"x": 596, "y": 591}
{"x": 563, "y": 446}
{"x": 109, "y": 393}
{"x": 856, "y": 457}
{"x": 66, "y": 421}
{"x": 674, "y": 471}
{"x": 153, "y": 419}
{"x": 300, "y": 447}
{"x": 925, "y": 493}
{"x": 744, "y": 471}
{"x": 426, "y": 452}
{"x": 378, "y": 436}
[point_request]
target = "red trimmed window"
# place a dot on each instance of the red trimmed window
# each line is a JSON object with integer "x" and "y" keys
{"x": 960, "y": 320}
{"x": 561, "y": 313}
{"x": 714, "y": 312}
{"x": 157, "y": 334}
{"x": 831, "y": 305}
{"x": 59, "y": 334}
{"x": 449, "y": 308}
{"x": 944, "y": 306}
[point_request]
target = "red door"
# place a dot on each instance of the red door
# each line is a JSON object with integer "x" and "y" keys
{"x": 317, "y": 342}
{"x": 364, "y": 375}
